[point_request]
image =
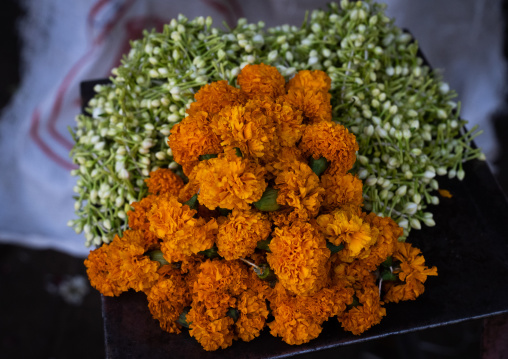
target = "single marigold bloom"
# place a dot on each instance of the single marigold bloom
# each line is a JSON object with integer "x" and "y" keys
{"x": 293, "y": 322}
{"x": 412, "y": 273}
{"x": 341, "y": 191}
{"x": 288, "y": 122}
{"x": 261, "y": 80}
{"x": 213, "y": 97}
{"x": 122, "y": 265}
{"x": 218, "y": 284}
{"x": 167, "y": 300}
{"x": 240, "y": 233}
{"x": 311, "y": 80}
{"x": 138, "y": 220}
{"x": 192, "y": 138}
{"x": 211, "y": 333}
{"x": 247, "y": 128}
{"x": 367, "y": 313}
{"x": 298, "y": 257}
{"x": 176, "y": 225}
{"x": 333, "y": 142}
{"x": 343, "y": 226}
{"x": 299, "y": 187}
{"x": 230, "y": 182}
{"x": 387, "y": 233}
{"x": 253, "y": 314}
{"x": 314, "y": 105}
{"x": 164, "y": 181}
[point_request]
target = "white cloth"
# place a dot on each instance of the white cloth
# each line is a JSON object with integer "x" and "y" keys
{"x": 66, "y": 42}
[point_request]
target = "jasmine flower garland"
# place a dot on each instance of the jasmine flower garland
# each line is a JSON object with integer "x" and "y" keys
{"x": 402, "y": 114}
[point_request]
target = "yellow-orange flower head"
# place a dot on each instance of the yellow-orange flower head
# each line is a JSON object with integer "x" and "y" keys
{"x": 333, "y": 142}
{"x": 261, "y": 80}
{"x": 192, "y": 138}
{"x": 298, "y": 257}
{"x": 240, "y": 233}
{"x": 230, "y": 182}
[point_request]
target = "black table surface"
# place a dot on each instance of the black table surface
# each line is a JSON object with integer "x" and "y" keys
{"x": 469, "y": 246}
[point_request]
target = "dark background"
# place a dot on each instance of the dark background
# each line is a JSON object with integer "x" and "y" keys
{"x": 36, "y": 322}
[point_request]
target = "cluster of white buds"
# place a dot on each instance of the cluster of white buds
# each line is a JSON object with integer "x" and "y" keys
{"x": 403, "y": 115}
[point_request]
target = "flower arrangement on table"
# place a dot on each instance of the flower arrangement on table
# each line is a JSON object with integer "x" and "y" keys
{"x": 268, "y": 228}
{"x": 256, "y": 214}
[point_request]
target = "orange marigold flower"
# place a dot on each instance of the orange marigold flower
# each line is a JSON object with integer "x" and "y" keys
{"x": 239, "y": 234}
{"x": 333, "y": 142}
{"x": 314, "y": 105}
{"x": 138, "y": 220}
{"x": 413, "y": 273}
{"x": 167, "y": 300}
{"x": 367, "y": 313}
{"x": 341, "y": 191}
{"x": 164, "y": 181}
{"x": 122, "y": 265}
{"x": 343, "y": 226}
{"x": 292, "y": 322}
{"x": 387, "y": 233}
{"x": 213, "y": 97}
{"x": 192, "y": 138}
{"x": 253, "y": 314}
{"x": 299, "y": 188}
{"x": 175, "y": 224}
{"x": 288, "y": 120}
{"x": 218, "y": 284}
{"x": 311, "y": 80}
{"x": 211, "y": 333}
{"x": 247, "y": 128}
{"x": 230, "y": 182}
{"x": 261, "y": 80}
{"x": 298, "y": 257}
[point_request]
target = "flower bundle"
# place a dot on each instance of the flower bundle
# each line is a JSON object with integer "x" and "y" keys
{"x": 265, "y": 226}
{"x": 401, "y": 112}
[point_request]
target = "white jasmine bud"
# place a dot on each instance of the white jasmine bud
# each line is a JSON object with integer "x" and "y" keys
{"x": 119, "y": 201}
{"x": 415, "y": 223}
{"x": 363, "y": 173}
{"x": 460, "y": 174}
{"x": 371, "y": 181}
{"x": 410, "y": 208}
{"x": 173, "y": 165}
{"x": 173, "y": 118}
{"x": 429, "y": 222}
{"x": 369, "y": 130}
{"x": 429, "y": 174}
{"x": 401, "y": 191}
{"x": 441, "y": 114}
{"x": 434, "y": 200}
{"x": 313, "y": 61}
{"x": 272, "y": 55}
{"x": 123, "y": 174}
{"x": 403, "y": 223}
{"x": 444, "y": 88}
{"x": 363, "y": 160}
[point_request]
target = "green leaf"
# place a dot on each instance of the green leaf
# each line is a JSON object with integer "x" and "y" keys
{"x": 156, "y": 255}
{"x": 207, "y": 157}
{"x": 333, "y": 248}
{"x": 318, "y": 166}
{"x": 268, "y": 201}
{"x": 193, "y": 202}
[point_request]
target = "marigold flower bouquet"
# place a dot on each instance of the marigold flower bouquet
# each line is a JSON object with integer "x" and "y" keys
{"x": 268, "y": 229}
{"x": 229, "y": 193}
